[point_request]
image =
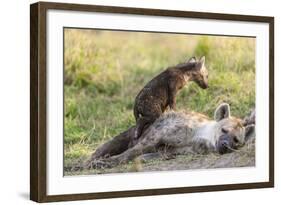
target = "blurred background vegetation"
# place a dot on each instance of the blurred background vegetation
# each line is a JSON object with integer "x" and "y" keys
{"x": 105, "y": 70}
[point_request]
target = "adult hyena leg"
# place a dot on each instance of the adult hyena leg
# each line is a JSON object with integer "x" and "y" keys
{"x": 145, "y": 145}
{"x": 115, "y": 146}
{"x": 160, "y": 155}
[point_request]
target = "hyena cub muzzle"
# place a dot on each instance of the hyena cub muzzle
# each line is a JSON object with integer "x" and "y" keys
{"x": 160, "y": 92}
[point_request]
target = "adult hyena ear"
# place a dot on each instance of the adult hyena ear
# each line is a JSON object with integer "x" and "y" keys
{"x": 192, "y": 60}
{"x": 222, "y": 111}
{"x": 249, "y": 131}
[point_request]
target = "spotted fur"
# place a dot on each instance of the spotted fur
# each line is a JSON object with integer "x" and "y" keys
{"x": 179, "y": 133}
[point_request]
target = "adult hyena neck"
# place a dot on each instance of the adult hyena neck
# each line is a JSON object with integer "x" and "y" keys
{"x": 205, "y": 133}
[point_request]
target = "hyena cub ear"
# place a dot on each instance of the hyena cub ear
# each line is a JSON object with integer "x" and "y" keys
{"x": 192, "y": 60}
{"x": 202, "y": 60}
{"x": 201, "y": 63}
{"x": 222, "y": 111}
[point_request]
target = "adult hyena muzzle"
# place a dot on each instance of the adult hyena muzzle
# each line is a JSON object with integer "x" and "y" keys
{"x": 226, "y": 144}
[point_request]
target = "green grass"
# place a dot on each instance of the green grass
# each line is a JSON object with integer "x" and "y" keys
{"x": 105, "y": 70}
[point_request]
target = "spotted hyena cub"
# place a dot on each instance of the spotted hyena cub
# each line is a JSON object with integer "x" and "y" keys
{"x": 160, "y": 92}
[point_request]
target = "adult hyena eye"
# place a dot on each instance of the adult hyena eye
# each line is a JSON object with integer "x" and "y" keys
{"x": 235, "y": 139}
{"x": 224, "y": 130}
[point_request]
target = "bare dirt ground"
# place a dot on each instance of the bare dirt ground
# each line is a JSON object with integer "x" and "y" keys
{"x": 244, "y": 157}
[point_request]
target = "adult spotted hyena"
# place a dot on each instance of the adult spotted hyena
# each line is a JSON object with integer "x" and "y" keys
{"x": 160, "y": 93}
{"x": 177, "y": 133}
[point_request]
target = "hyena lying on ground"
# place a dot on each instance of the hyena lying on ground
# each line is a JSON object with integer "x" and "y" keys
{"x": 176, "y": 133}
{"x": 161, "y": 91}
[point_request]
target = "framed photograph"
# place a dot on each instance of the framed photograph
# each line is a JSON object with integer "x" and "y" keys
{"x": 135, "y": 102}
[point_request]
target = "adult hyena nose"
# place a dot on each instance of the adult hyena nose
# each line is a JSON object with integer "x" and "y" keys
{"x": 223, "y": 146}
{"x": 224, "y": 143}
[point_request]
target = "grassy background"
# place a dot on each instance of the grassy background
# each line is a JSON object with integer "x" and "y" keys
{"x": 105, "y": 70}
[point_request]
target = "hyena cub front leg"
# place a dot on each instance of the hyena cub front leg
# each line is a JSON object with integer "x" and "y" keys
{"x": 145, "y": 145}
{"x": 172, "y": 92}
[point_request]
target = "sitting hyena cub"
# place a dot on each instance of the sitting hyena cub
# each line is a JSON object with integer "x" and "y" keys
{"x": 161, "y": 91}
{"x": 179, "y": 133}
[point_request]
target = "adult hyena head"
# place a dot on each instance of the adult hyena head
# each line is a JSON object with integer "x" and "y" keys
{"x": 229, "y": 133}
{"x": 199, "y": 73}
